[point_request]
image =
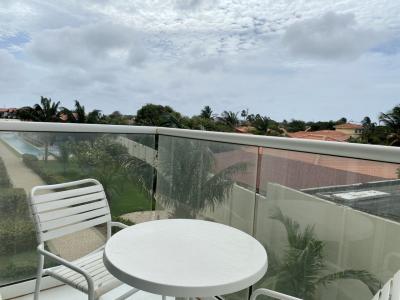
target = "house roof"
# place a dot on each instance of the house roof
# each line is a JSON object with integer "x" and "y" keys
{"x": 348, "y": 126}
{"x": 244, "y": 129}
{"x": 8, "y": 109}
{"x": 321, "y": 135}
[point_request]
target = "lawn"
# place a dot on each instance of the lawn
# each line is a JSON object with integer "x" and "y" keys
{"x": 127, "y": 199}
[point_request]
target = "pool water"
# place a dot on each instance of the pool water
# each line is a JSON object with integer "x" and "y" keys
{"x": 20, "y": 145}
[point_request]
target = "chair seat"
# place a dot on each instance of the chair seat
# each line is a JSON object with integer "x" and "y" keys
{"x": 93, "y": 265}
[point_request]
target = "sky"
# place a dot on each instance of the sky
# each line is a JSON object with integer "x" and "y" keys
{"x": 311, "y": 60}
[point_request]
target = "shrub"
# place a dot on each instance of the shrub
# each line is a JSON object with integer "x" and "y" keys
{"x": 18, "y": 270}
{"x": 4, "y": 178}
{"x": 13, "y": 203}
{"x": 33, "y": 163}
{"x": 16, "y": 235}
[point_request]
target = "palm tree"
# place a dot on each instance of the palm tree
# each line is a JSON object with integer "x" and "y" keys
{"x": 302, "y": 268}
{"x": 64, "y": 155}
{"x": 206, "y": 112}
{"x": 46, "y": 111}
{"x": 78, "y": 115}
{"x": 368, "y": 129}
{"x": 261, "y": 124}
{"x": 188, "y": 181}
{"x": 391, "y": 120}
{"x": 230, "y": 118}
{"x": 107, "y": 161}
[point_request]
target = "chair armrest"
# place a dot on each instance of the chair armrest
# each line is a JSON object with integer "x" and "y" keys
{"x": 119, "y": 224}
{"x": 66, "y": 263}
{"x": 272, "y": 294}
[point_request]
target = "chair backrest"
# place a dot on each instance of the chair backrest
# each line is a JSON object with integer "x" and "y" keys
{"x": 391, "y": 290}
{"x": 80, "y": 205}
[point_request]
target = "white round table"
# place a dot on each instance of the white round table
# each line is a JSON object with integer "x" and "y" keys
{"x": 185, "y": 258}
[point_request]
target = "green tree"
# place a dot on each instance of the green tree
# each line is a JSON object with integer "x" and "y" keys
{"x": 94, "y": 117}
{"x": 108, "y": 161}
{"x": 78, "y": 114}
{"x": 158, "y": 115}
{"x": 342, "y": 120}
{"x": 321, "y": 125}
{"x": 206, "y": 112}
{"x": 230, "y": 118}
{"x": 64, "y": 155}
{"x": 391, "y": 120}
{"x": 368, "y": 130}
{"x": 296, "y": 125}
{"x": 302, "y": 269}
{"x": 189, "y": 180}
{"x": 261, "y": 124}
{"x": 45, "y": 111}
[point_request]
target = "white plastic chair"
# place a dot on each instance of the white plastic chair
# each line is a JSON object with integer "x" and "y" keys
{"x": 390, "y": 291}
{"x": 58, "y": 213}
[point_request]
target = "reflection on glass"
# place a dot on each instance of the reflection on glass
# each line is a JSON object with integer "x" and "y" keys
{"x": 326, "y": 223}
{"x": 202, "y": 179}
{"x": 124, "y": 164}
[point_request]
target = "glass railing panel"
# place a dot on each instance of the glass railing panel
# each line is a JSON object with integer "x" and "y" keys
{"x": 123, "y": 163}
{"x": 320, "y": 215}
{"x": 206, "y": 180}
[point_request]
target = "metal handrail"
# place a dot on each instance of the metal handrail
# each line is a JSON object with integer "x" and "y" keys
{"x": 351, "y": 150}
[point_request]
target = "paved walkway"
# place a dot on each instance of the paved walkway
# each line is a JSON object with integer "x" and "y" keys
{"x": 144, "y": 216}
{"x": 21, "y": 176}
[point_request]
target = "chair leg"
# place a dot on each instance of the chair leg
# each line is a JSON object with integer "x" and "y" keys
{"x": 91, "y": 295}
{"x": 39, "y": 277}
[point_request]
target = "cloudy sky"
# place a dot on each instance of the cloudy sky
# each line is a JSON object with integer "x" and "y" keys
{"x": 314, "y": 59}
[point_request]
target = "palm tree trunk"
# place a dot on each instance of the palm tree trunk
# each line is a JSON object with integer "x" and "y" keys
{"x": 46, "y": 151}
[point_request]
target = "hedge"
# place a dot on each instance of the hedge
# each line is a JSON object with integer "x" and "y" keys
{"x": 16, "y": 235}
{"x": 13, "y": 203}
{"x": 32, "y": 162}
{"x": 5, "y": 181}
{"x": 12, "y": 271}
{"x": 17, "y": 232}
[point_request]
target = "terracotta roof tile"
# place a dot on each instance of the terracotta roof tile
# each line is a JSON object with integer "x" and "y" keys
{"x": 321, "y": 135}
{"x": 349, "y": 126}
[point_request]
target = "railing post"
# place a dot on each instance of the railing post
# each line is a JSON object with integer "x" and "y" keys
{"x": 154, "y": 185}
{"x": 260, "y": 152}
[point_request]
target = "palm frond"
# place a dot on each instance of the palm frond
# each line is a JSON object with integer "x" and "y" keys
{"x": 366, "y": 277}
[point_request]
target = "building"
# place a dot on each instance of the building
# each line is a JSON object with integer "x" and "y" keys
{"x": 321, "y": 135}
{"x": 354, "y": 130}
{"x": 342, "y": 133}
{"x": 8, "y": 113}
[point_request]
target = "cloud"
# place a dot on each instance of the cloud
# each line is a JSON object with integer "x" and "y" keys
{"x": 193, "y": 4}
{"x": 331, "y": 36}
{"x": 88, "y": 46}
{"x": 120, "y": 54}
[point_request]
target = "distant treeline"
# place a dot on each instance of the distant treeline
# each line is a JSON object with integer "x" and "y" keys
{"x": 387, "y": 132}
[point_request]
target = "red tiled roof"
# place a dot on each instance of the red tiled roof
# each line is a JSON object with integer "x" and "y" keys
{"x": 321, "y": 135}
{"x": 348, "y": 126}
{"x": 8, "y": 109}
{"x": 304, "y": 170}
{"x": 244, "y": 129}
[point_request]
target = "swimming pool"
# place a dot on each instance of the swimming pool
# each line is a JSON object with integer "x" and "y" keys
{"x": 20, "y": 145}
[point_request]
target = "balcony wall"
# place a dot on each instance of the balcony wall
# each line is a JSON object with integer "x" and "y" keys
{"x": 320, "y": 190}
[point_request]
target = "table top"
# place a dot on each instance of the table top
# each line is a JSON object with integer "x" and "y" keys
{"x": 185, "y": 258}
